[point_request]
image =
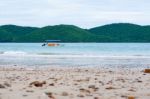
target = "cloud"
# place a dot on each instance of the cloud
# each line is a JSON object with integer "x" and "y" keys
{"x": 84, "y": 13}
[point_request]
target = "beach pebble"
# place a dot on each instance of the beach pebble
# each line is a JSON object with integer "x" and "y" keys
{"x": 10, "y": 89}
{"x": 50, "y": 95}
{"x": 101, "y": 82}
{"x": 96, "y": 97}
{"x": 30, "y": 91}
{"x": 91, "y": 86}
{"x": 131, "y": 97}
{"x": 80, "y": 95}
{"x": 24, "y": 95}
{"x": 84, "y": 90}
{"x": 132, "y": 90}
{"x": 2, "y": 86}
{"x": 65, "y": 94}
{"x": 110, "y": 87}
{"x": 147, "y": 71}
{"x": 139, "y": 81}
{"x": 7, "y": 84}
{"x": 38, "y": 84}
{"x": 44, "y": 82}
{"x": 52, "y": 84}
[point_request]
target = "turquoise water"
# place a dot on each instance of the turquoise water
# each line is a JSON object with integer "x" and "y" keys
{"x": 75, "y": 54}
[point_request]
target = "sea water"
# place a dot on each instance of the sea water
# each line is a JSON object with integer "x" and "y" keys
{"x": 75, "y": 54}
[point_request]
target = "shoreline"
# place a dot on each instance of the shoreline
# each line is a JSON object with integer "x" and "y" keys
{"x": 73, "y": 83}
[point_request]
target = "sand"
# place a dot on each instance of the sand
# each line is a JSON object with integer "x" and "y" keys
{"x": 73, "y": 83}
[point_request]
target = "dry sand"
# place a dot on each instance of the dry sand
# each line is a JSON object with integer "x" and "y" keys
{"x": 73, "y": 83}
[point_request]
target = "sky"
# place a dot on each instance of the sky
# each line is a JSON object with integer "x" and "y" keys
{"x": 83, "y": 13}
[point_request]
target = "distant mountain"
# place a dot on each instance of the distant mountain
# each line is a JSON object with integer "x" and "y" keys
{"x": 118, "y": 32}
{"x": 123, "y": 32}
{"x": 65, "y": 33}
{"x": 11, "y": 33}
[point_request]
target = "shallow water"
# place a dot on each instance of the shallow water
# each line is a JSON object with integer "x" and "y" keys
{"x": 76, "y": 54}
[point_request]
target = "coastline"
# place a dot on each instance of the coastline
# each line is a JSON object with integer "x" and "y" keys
{"x": 73, "y": 83}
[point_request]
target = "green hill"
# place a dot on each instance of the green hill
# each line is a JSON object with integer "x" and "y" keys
{"x": 123, "y": 32}
{"x": 10, "y": 33}
{"x": 118, "y": 32}
{"x": 5, "y": 36}
{"x": 65, "y": 33}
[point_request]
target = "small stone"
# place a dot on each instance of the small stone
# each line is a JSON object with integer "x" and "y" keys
{"x": 131, "y": 97}
{"x": 109, "y": 88}
{"x": 38, "y": 84}
{"x": 101, "y": 82}
{"x": 84, "y": 90}
{"x": 10, "y": 89}
{"x": 52, "y": 84}
{"x": 65, "y": 94}
{"x": 91, "y": 86}
{"x": 7, "y": 84}
{"x": 24, "y": 95}
{"x": 96, "y": 97}
{"x": 50, "y": 95}
{"x": 44, "y": 82}
{"x": 148, "y": 94}
{"x": 2, "y": 86}
{"x": 30, "y": 91}
{"x": 139, "y": 81}
{"x": 75, "y": 84}
{"x": 147, "y": 71}
{"x": 123, "y": 96}
{"x": 80, "y": 95}
{"x": 132, "y": 90}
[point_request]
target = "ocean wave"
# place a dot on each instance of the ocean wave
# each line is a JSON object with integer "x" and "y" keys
{"x": 90, "y": 56}
{"x": 14, "y": 53}
{"x": 57, "y": 54}
{"x": 71, "y": 55}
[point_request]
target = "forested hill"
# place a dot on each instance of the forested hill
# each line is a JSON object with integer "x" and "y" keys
{"x": 123, "y": 32}
{"x": 118, "y": 32}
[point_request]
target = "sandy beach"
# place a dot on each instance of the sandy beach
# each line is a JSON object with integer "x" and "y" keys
{"x": 73, "y": 83}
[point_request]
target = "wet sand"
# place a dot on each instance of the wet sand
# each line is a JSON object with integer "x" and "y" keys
{"x": 73, "y": 83}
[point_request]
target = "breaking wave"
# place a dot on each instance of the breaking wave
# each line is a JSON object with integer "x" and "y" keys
{"x": 13, "y": 53}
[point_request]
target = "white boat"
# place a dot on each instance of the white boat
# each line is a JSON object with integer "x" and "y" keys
{"x": 51, "y": 43}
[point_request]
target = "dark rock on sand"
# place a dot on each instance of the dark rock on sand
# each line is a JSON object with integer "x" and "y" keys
{"x": 80, "y": 95}
{"x": 50, "y": 95}
{"x": 38, "y": 84}
{"x": 110, "y": 87}
{"x": 7, "y": 84}
{"x": 2, "y": 86}
{"x": 96, "y": 97}
{"x": 147, "y": 71}
{"x": 52, "y": 84}
{"x": 65, "y": 94}
{"x": 84, "y": 90}
{"x": 93, "y": 87}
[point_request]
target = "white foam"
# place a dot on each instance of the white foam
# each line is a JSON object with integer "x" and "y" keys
{"x": 57, "y": 55}
{"x": 94, "y": 56}
{"x": 15, "y": 53}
